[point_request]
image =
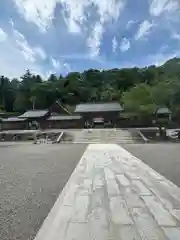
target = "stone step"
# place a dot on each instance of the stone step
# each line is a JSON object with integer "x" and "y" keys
{"x": 108, "y": 136}
{"x": 94, "y": 141}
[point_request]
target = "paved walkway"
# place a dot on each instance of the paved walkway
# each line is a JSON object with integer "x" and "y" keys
{"x": 112, "y": 195}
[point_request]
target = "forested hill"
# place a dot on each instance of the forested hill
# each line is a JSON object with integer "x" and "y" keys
{"x": 139, "y": 89}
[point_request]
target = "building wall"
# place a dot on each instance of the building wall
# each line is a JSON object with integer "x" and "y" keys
{"x": 108, "y": 116}
{"x": 14, "y": 125}
{"x": 39, "y": 121}
{"x": 62, "y": 124}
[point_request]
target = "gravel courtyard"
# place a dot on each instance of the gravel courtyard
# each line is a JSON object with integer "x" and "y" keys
{"x": 164, "y": 158}
{"x": 31, "y": 178}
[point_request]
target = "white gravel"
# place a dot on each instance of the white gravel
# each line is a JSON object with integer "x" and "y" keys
{"x": 31, "y": 178}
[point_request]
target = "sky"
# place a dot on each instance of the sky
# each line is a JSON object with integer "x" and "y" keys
{"x": 61, "y": 36}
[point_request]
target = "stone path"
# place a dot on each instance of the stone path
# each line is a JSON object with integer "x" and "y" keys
{"x": 112, "y": 195}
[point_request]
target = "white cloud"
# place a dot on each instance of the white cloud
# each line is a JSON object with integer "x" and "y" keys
{"x": 114, "y": 44}
{"x": 40, "y": 52}
{"x": 55, "y": 63}
{"x": 12, "y": 63}
{"x": 109, "y": 10}
{"x": 125, "y": 45}
{"x": 3, "y": 35}
{"x": 74, "y": 14}
{"x": 39, "y": 12}
{"x": 144, "y": 29}
{"x": 60, "y": 66}
{"x": 176, "y": 36}
{"x": 11, "y": 22}
{"x": 30, "y": 53}
{"x": 157, "y": 7}
{"x": 67, "y": 67}
{"x": 94, "y": 41}
{"x": 24, "y": 47}
{"x": 130, "y": 23}
{"x": 160, "y": 58}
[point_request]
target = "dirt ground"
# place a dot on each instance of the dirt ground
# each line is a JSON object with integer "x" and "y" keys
{"x": 31, "y": 178}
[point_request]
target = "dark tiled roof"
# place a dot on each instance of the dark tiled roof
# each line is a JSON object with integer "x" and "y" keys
{"x": 98, "y": 107}
{"x": 63, "y": 117}
{"x": 34, "y": 114}
{"x": 13, "y": 119}
{"x": 163, "y": 110}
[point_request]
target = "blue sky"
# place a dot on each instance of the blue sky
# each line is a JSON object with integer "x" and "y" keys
{"x": 59, "y": 36}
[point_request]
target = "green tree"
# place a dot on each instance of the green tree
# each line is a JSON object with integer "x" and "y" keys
{"x": 52, "y": 78}
{"x": 143, "y": 88}
{"x": 139, "y": 99}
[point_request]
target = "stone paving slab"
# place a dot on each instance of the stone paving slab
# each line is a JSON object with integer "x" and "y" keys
{"x": 113, "y": 195}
